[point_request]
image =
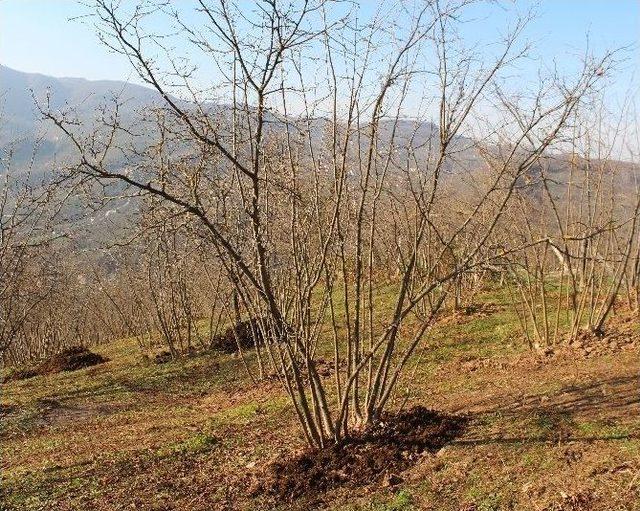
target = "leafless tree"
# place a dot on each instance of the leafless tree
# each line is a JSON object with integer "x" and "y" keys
{"x": 312, "y": 189}
{"x": 584, "y": 205}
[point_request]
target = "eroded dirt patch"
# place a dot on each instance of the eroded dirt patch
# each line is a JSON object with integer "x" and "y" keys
{"x": 381, "y": 452}
{"x": 56, "y": 413}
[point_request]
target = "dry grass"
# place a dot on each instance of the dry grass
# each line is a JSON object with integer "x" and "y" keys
{"x": 561, "y": 434}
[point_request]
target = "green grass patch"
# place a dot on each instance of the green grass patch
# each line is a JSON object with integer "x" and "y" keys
{"x": 198, "y": 443}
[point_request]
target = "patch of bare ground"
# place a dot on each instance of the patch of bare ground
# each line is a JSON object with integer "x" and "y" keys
{"x": 48, "y": 415}
{"x": 524, "y": 443}
{"x": 55, "y": 413}
{"x": 607, "y": 386}
{"x": 558, "y": 433}
{"x": 621, "y": 335}
{"x": 378, "y": 454}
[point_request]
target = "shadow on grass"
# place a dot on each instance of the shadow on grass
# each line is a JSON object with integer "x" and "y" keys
{"x": 619, "y": 396}
{"x": 603, "y": 410}
{"x": 544, "y": 439}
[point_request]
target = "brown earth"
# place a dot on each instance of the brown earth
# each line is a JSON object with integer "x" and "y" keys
{"x": 70, "y": 359}
{"x": 381, "y": 451}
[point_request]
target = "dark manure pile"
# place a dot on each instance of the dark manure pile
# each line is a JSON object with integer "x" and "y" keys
{"x": 379, "y": 454}
{"x": 70, "y": 359}
{"x": 246, "y": 334}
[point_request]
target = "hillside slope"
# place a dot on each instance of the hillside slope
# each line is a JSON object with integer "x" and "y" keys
{"x": 556, "y": 434}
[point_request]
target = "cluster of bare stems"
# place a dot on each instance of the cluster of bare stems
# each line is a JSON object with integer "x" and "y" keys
{"x": 16, "y": 223}
{"x": 314, "y": 190}
{"x": 585, "y": 209}
{"x": 40, "y": 296}
{"x": 167, "y": 283}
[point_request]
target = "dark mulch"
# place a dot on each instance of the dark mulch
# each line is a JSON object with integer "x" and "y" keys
{"x": 19, "y": 374}
{"x": 7, "y": 409}
{"x": 163, "y": 357}
{"x": 246, "y": 333}
{"x": 381, "y": 452}
{"x": 71, "y": 359}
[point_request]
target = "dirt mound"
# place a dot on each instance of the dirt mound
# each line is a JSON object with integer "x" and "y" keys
{"x": 469, "y": 313}
{"x": 380, "y": 452}
{"x": 19, "y": 374}
{"x": 71, "y": 359}
{"x": 620, "y": 336}
{"x": 7, "y": 409}
{"x": 245, "y": 333}
{"x": 163, "y": 357}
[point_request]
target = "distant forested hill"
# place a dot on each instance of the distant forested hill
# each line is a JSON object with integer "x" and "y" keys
{"x": 20, "y": 123}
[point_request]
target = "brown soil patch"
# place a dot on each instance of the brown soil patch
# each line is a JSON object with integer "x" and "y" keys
{"x": 384, "y": 450}
{"x": 619, "y": 336}
{"x": 163, "y": 357}
{"x": 527, "y": 360}
{"x": 56, "y": 413}
{"x": 71, "y": 359}
{"x": 575, "y": 389}
{"x": 7, "y": 409}
{"x": 613, "y": 398}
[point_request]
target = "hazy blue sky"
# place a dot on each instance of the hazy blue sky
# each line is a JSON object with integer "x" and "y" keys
{"x": 37, "y": 36}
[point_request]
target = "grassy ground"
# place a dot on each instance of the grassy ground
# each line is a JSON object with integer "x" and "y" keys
{"x": 192, "y": 434}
